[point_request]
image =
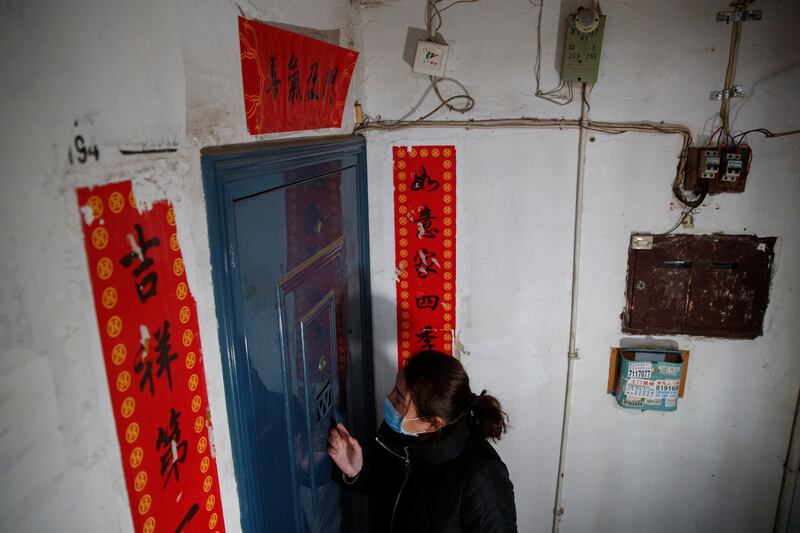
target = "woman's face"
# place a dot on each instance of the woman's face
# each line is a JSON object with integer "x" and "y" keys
{"x": 401, "y": 401}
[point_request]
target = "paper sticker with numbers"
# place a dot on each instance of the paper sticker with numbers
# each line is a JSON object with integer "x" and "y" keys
{"x": 640, "y": 369}
{"x": 667, "y": 388}
{"x": 640, "y": 388}
{"x": 154, "y": 360}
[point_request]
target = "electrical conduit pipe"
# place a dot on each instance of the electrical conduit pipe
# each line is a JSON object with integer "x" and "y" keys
{"x": 572, "y": 352}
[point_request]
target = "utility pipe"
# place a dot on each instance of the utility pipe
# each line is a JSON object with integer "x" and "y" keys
{"x": 790, "y": 468}
{"x": 572, "y": 352}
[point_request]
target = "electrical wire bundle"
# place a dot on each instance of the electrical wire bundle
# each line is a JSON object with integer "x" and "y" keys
{"x": 561, "y": 94}
{"x": 435, "y": 11}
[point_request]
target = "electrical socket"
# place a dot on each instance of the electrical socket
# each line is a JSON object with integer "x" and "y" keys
{"x": 431, "y": 58}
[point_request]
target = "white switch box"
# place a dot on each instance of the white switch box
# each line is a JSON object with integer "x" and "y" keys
{"x": 431, "y": 58}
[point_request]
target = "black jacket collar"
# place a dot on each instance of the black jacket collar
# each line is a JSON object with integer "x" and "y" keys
{"x": 431, "y": 450}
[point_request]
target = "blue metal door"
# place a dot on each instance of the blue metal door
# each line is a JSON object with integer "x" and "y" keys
{"x": 288, "y": 235}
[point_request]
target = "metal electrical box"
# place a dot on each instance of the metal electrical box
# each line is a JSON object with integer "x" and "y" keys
{"x": 581, "y": 60}
{"x": 704, "y": 285}
{"x": 722, "y": 169}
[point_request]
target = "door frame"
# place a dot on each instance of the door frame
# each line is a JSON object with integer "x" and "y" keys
{"x": 236, "y": 171}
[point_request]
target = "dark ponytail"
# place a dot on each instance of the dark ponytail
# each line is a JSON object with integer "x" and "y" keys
{"x": 487, "y": 416}
{"x": 439, "y": 386}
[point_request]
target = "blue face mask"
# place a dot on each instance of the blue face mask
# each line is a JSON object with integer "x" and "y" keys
{"x": 394, "y": 419}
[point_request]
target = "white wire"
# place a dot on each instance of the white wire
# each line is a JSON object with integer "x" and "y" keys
{"x": 684, "y": 216}
{"x": 445, "y": 102}
{"x": 554, "y": 95}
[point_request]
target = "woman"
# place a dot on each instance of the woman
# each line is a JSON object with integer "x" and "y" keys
{"x": 432, "y": 469}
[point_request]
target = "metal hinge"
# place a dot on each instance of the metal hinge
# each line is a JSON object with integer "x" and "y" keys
{"x": 738, "y": 15}
{"x": 732, "y": 92}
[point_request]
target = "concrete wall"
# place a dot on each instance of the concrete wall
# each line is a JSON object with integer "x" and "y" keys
{"x": 716, "y": 463}
{"x": 153, "y": 74}
{"x": 144, "y": 74}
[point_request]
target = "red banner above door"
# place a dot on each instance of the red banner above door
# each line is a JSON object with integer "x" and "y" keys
{"x": 292, "y": 82}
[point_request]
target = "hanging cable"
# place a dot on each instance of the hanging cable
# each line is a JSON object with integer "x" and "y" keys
{"x": 369, "y": 124}
{"x": 687, "y": 211}
{"x": 730, "y": 74}
{"x": 469, "y": 101}
{"x": 763, "y": 131}
{"x": 555, "y": 96}
{"x": 730, "y": 71}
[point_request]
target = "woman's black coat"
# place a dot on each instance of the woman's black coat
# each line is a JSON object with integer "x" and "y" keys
{"x": 451, "y": 482}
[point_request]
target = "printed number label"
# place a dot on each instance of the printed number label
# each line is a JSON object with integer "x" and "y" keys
{"x": 82, "y": 152}
{"x": 640, "y": 370}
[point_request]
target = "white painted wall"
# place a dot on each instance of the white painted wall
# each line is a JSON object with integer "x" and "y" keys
{"x": 716, "y": 463}
{"x": 159, "y": 73}
{"x": 136, "y": 74}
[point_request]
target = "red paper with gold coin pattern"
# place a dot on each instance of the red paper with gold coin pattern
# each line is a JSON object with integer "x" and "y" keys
{"x": 292, "y": 82}
{"x": 425, "y": 248}
{"x": 149, "y": 333}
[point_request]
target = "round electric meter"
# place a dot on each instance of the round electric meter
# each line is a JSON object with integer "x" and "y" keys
{"x": 586, "y": 20}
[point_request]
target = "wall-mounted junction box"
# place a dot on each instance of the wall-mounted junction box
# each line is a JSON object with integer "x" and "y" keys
{"x": 581, "y": 60}
{"x": 431, "y": 58}
{"x": 722, "y": 169}
{"x": 707, "y": 285}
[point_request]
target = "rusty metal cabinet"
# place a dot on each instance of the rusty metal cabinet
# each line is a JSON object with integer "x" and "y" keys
{"x": 705, "y": 285}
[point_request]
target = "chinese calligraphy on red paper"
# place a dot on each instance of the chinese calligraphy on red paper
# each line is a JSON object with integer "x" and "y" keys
{"x": 292, "y": 82}
{"x": 425, "y": 248}
{"x": 153, "y": 359}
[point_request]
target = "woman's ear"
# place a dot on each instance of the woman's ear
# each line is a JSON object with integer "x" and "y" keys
{"x": 436, "y": 422}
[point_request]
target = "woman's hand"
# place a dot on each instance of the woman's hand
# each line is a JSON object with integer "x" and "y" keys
{"x": 345, "y": 451}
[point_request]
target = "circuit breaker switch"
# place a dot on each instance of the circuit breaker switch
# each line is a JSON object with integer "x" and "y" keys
{"x": 709, "y": 164}
{"x": 733, "y": 167}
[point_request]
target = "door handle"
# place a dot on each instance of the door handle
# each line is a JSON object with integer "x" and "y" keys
{"x": 322, "y": 364}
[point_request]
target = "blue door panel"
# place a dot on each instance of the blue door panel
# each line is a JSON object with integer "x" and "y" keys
{"x": 308, "y": 310}
{"x": 289, "y": 255}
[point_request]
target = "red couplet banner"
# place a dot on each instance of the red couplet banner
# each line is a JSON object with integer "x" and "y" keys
{"x": 425, "y": 248}
{"x": 154, "y": 361}
{"x": 292, "y": 82}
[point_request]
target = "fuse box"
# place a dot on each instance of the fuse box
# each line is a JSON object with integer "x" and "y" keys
{"x": 704, "y": 285}
{"x": 722, "y": 169}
